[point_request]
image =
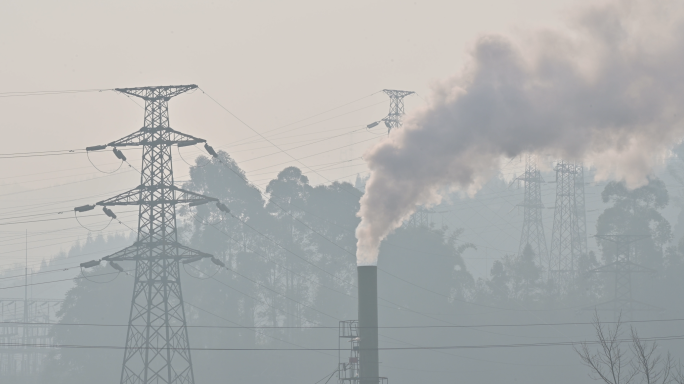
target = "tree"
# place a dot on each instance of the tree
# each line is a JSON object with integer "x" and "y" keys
{"x": 290, "y": 261}
{"x": 636, "y": 212}
{"x": 422, "y": 269}
{"x": 514, "y": 279}
{"x": 525, "y": 274}
{"x": 498, "y": 283}
{"x": 638, "y": 362}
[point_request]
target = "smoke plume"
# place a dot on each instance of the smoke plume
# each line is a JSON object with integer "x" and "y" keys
{"x": 607, "y": 91}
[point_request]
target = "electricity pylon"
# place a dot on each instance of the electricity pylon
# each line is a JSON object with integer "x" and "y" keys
{"x": 394, "y": 118}
{"x": 569, "y": 234}
{"x": 580, "y": 210}
{"x": 533, "y": 227}
{"x": 420, "y": 218}
{"x": 157, "y": 346}
{"x": 623, "y": 304}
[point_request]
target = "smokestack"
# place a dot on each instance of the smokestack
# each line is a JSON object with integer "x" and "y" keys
{"x": 369, "y": 362}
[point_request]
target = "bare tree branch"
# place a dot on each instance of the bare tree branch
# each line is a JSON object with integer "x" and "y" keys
{"x": 609, "y": 363}
{"x": 612, "y": 363}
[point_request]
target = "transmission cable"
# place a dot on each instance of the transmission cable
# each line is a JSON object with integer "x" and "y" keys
{"x": 100, "y": 282}
{"x": 95, "y": 166}
{"x": 92, "y": 230}
{"x": 269, "y": 289}
{"x": 466, "y": 326}
{"x": 253, "y": 330}
{"x": 318, "y": 114}
{"x": 57, "y": 281}
{"x": 43, "y": 93}
{"x": 262, "y": 136}
{"x": 436, "y": 347}
{"x": 201, "y": 278}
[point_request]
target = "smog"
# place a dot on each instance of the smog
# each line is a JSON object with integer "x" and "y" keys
{"x": 352, "y": 193}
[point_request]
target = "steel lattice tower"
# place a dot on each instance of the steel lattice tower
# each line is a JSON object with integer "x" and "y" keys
{"x": 569, "y": 235}
{"x": 622, "y": 268}
{"x": 396, "y": 110}
{"x": 395, "y": 119}
{"x": 533, "y": 227}
{"x": 157, "y": 346}
{"x": 420, "y": 218}
{"x": 580, "y": 210}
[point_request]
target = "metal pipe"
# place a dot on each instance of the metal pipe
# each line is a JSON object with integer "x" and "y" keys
{"x": 369, "y": 361}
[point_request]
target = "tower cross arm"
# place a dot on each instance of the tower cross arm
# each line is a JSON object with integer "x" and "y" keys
{"x": 160, "y": 249}
{"x": 129, "y": 253}
{"x": 141, "y": 137}
{"x": 155, "y": 93}
{"x": 397, "y": 93}
{"x": 530, "y": 178}
{"x": 185, "y": 196}
{"x": 134, "y": 197}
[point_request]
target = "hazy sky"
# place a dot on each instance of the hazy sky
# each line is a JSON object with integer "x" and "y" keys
{"x": 273, "y": 64}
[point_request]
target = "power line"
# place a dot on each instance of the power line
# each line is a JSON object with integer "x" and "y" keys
{"x": 264, "y": 137}
{"x": 38, "y": 221}
{"x": 329, "y": 110}
{"x": 255, "y": 331}
{"x": 304, "y": 145}
{"x": 61, "y": 185}
{"x": 379, "y": 327}
{"x": 440, "y": 347}
{"x": 267, "y": 288}
{"x": 280, "y": 265}
{"x": 270, "y": 199}
{"x": 330, "y": 118}
{"x": 41, "y": 153}
{"x": 44, "y": 93}
{"x": 310, "y": 117}
{"x": 43, "y": 214}
{"x": 338, "y": 246}
{"x": 57, "y": 281}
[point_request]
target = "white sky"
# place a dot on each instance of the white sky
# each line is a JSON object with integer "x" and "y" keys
{"x": 271, "y": 63}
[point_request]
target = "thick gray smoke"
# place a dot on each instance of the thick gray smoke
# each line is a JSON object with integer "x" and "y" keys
{"x": 607, "y": 91}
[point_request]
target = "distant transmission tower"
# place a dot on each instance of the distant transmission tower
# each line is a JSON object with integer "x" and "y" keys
{"x": 569, "y": 235}
{"x": 420, "y": 218}
{"x": 157, "y": 346}
{"x": 533, "y": 226}
{"x": 394, "y": 118}
{"x": 623, "y": 303}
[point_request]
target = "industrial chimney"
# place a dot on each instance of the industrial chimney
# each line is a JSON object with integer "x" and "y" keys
{"x": 369, "y": 368}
